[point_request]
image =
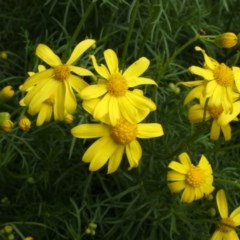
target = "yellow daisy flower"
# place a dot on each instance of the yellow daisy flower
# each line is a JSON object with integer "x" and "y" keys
{"x": 57, "y": 81}
{"x": 116, "y": 100}
{"x": 114, "y": 141}
{"x": 218, "y": 82}
{"x": 220, "y": 119}
{"x": 194, "y": 180}
{"x": 227, "y": 224}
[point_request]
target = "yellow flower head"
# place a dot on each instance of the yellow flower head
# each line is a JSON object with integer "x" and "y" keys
{"x": 116, "y": 100}
{"x": 114, "y": 141}
{"x": 218, "y": 84}
{"x": 226, "y": 40}
{"x": 195, "y": 181}
{"x": 57, "y": 81}
{"x": 227, "y": 223}
{"x": 206, "y": 110}
{"x": 24, "y": 124}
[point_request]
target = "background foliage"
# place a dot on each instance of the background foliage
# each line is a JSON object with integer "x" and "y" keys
{"x": 46, "y": 191}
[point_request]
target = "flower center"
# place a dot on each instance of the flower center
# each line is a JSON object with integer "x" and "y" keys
{"x": 117, "y": 85}
{"x": 224, "y": 75}
{"x": 124, "y": 132}
{"x": 225, "y": 228}
{"x": 215, "y": 111}
{"x": 195, "y": 176}
{"x": 61, "y": 72}
{"x": 50, "y": 100}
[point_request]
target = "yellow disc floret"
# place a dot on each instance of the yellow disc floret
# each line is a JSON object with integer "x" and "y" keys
{"x": 224, "y": 75}
{"x": 195, "y": 176}
{"x": 61, "y": 72}
{"x": 124, "y": 132}
{"x": 215, "y": 111}
{"x": 227, "y": 225}
{"x": 117, "y": 85}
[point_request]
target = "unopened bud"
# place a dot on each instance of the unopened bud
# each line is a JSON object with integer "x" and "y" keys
{"x": 24, "y": 124}
{"x": 6, "y": 93}
{"x": 226, "y": 40}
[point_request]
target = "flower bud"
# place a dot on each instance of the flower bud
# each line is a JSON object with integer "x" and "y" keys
{"x": 29, "y": 238}
{"x": 8, "y": 229}
{"x": 6, "y": 93}
{"x": 5, "y": 123}
{"x": 226, "y": 40}
{"x": 24, "y": 124}
{"x": 3, "y": 55}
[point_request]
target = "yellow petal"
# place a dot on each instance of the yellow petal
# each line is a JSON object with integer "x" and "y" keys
{"x": 232, "y": 235}
{"x": 218, "y": 235}
{"x": 133, "y": 82}
{"x": 44, "y": 115}
{"x": 115, "y": 159}
{"x": 175, "y": 176}
{"x": 209, "y": 62}
{"x": 77, "y": 83}
{"x": 79, "y": 50}
{"x": 224, "y": 118}
{"x": 114, "y": 111}
{"x": 176, "y": 186}
{"x": 149, "y": 130}
{"x": 58, "y": 107}
{"x": 185, "y": 160}
{"x": 37, "y": 78}
{"x": 203, "y": 72}
{"x": 196, "y": 113}
{"x": 215, "y": 130}
{"x": 178, "y": 167}
{"x": 134, "y": 153}
{"x": 47, "y": 55}
{"x": 236, "y": 73}
{"x": 192, "y": 83}
{"x": 140, "y": 102}
{"x": 222, "y": 203}
{"x": 80, "y": 71}
{"x": 188, "y": 195}
{"x": 205, "y": 165}
{"x": 99, "y": 153}
{"x": 90, "y": 131}
{"x": 210, "y": 88}
{"x": 197, "y": 92}
{"x": 137, "y": 68}
{"x": 93, "y": 91}
{"x": 70, "y": 100}
{"x": 128, "y": 111}
{"x": 111, "y": 60}
{"x": 235, "y": 216}
{"x": 227, "y": 132}
{"x": 101, "y": 70}
{"x": 102, "y": 107}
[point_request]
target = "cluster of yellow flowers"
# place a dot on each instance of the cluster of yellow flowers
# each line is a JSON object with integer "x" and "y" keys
{"x": 119, "y": 109}
{"x": 110, "y": 100}
{"x": 218, "y": 95}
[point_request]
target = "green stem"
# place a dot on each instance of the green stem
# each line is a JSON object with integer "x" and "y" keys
{"x": 130, "y": 29}
{"x": 80, "y": 26}
{"x": 231, "y": 182}
{"x": 178, "y": 51}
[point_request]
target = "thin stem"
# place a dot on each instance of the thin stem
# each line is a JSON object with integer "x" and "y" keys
{"x": 227, "y": 181}
{"x": 80, "y": 26}
{"x": 130, "y": 29}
